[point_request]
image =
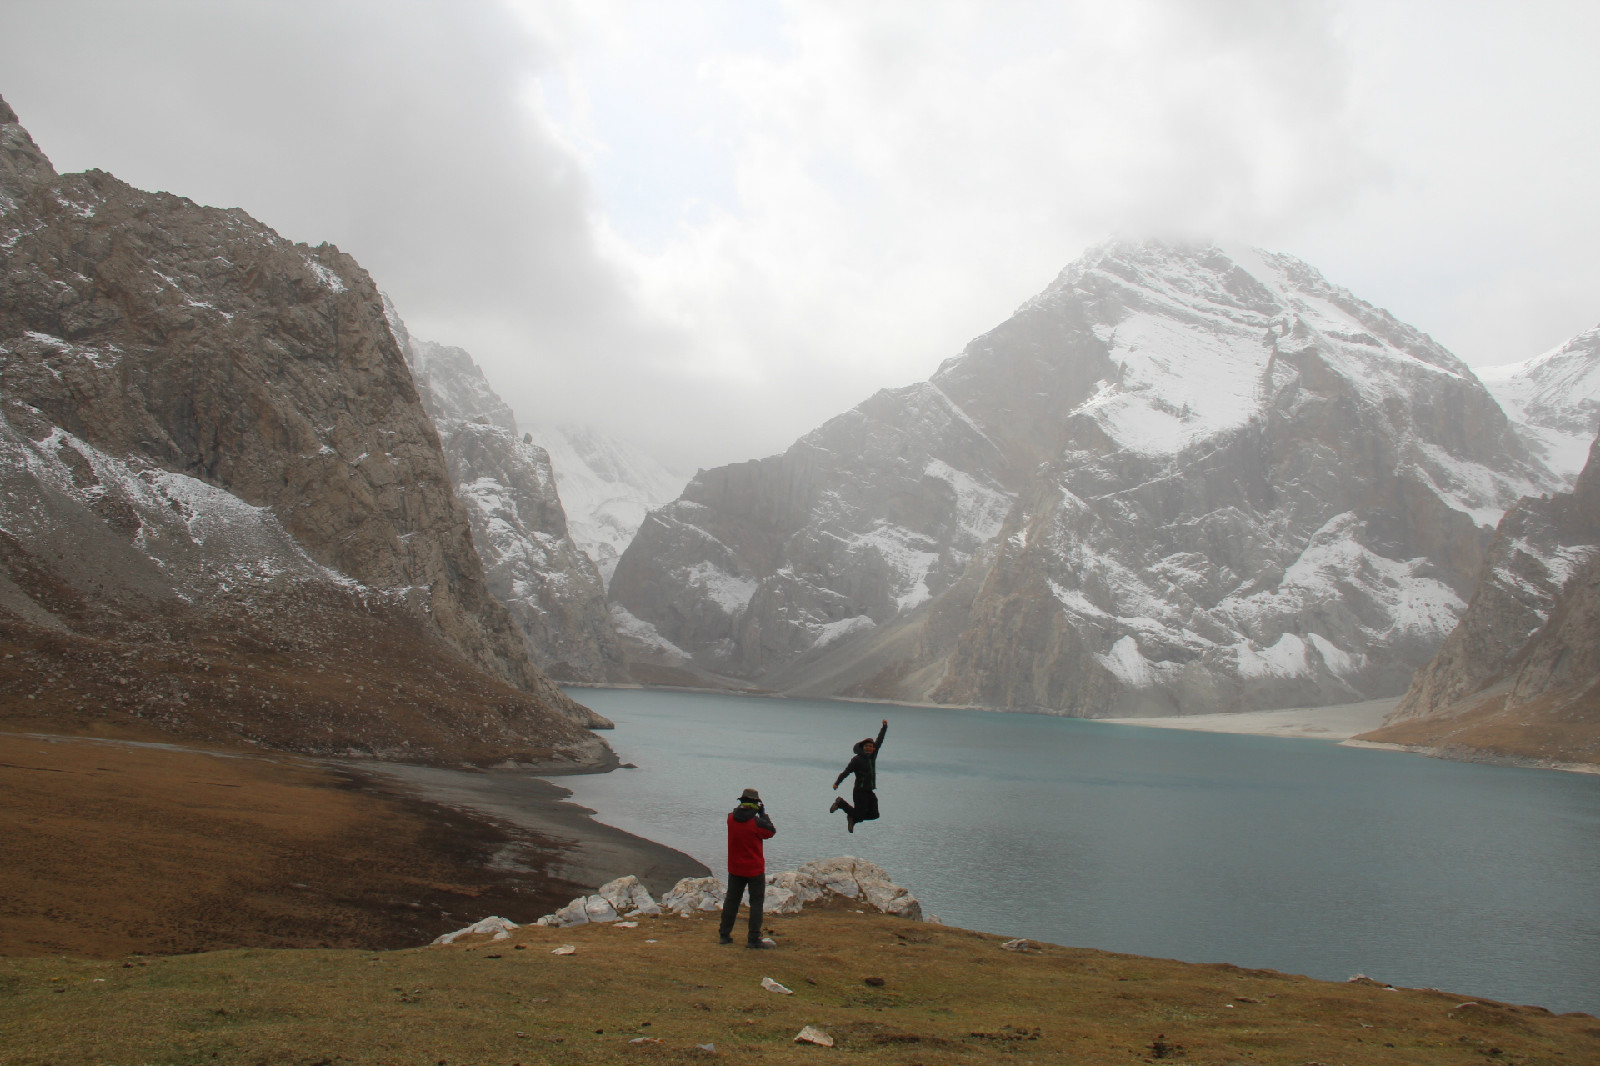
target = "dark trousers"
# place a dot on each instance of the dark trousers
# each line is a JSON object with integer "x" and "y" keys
{"x": 865, "y": 807}
{"x": 738, "y": 886}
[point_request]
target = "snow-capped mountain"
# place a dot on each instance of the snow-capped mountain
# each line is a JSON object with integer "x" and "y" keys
{"x": 551, "y": 587}
{"x": 1180, "y": 479}
{"x": 1554, "y": 399}
{"x": 225, "y": 513}
{"x": 607, "y": 487}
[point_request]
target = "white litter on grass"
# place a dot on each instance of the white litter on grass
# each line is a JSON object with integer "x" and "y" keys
{"x": 812, "y": 1035}
{"x": 499, "y": 927}
{"x": 626, "y": 925}
{"x": 772, "y": 986}
{"x": 1019, "y": 944}
{"x": 647, "y": 1040}
{"x": 564, "y": 949}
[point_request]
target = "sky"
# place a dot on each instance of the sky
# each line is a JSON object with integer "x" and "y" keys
{"x": 707, "y": 226}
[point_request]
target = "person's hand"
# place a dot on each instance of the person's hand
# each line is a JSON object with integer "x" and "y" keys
{"x": 886, "y": 721}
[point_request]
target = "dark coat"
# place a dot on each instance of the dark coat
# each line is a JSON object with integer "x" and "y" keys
{"x": 864, "y": 766}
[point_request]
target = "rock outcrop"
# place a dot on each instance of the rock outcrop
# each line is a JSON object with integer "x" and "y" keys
{"x": 211, "y": 430}
{"x": 551, "y": 587}
{"x": 1554, "y": 400}
{"x": 843, "y": 878}
{"x": 1179, "y": 480}
{"x": 1520, "y": 675}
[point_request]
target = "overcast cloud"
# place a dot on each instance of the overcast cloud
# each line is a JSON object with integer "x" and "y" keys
{"x": 708, "y": 226}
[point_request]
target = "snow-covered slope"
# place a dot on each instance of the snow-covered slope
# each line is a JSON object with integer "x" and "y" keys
{"x": 607, "y": 487}
{"x": 1179, "y": 479}
{"x": 1554, "y": 399}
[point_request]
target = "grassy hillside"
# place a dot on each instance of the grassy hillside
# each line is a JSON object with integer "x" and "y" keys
{"x": 886, "y": 990}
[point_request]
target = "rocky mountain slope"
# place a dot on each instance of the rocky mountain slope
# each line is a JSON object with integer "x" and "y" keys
{"x": 607, "y": 487}
{"x": 551, "y": 587}
{"x": 215, "y": 457}
{"x": 1554, "y": 400}
{"x": 1179, "y": 480}
{"x": 1520, "y": 675}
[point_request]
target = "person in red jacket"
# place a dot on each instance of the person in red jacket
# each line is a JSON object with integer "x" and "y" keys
{"x": 748, "y": 826}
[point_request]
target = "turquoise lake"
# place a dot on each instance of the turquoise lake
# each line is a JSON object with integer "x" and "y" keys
{"x": 1296, "y": 855}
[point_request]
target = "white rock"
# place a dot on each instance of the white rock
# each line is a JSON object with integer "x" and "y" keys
{"x": 627, "y": 895}
{"x": 564, "y": 949}
{"x": 772, "y": 986}
{"x": 627, "y": 925}
{"x": 812, "y": 1035}
{"x": 695, "y": 894}
{"x": 499, "y": 927}
{"x": 573, "y": 913}
{"x": 598, "y": 909}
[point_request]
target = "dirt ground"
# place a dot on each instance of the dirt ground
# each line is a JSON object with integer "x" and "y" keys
{"x": 113, "y": 846}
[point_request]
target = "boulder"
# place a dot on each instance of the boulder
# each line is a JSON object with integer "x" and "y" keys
{"x": 695, "y": 894}
{"x": 496, "y": 927}
{"x": 627, "y": 895}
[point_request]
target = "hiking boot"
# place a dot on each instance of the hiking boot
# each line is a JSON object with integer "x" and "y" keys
{"x": 837, "y": 803}
{"x": 759, "y": 945}
{"x": 852, "y": 826}
{"x": 724, "y": 938}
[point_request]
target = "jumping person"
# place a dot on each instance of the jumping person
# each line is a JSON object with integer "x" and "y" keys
{"x": 748, "y": 826}
{"x": 864, "y": 764}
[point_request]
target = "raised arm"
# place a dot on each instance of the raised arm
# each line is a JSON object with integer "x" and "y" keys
{"x": 878, "y": 744}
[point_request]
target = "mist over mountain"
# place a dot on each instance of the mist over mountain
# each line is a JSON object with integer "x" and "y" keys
{"x": 226, "y": 513}
{"x": 551, "y": 587}
{"x": 1180, "y": 479}
{"x": 607, "y": 487}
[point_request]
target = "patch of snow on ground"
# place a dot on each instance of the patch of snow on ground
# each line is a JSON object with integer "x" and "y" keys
{"x": 1181, "y": 382}
{"x": 1286, "y": 658}
{"x": 637, "y": 629}
{"x": 980, "y": 509}
{"x": 1128, "y": 664}
{"x": 1339, "y": 661}
{"x": 831, "y": 632}
{"x": 904, "y": 552}
{"x": 328, "y": 278}
{"x": 731, "y": 593}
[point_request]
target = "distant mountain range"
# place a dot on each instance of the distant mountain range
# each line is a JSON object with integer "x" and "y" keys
{"x": 1180, "y": 479}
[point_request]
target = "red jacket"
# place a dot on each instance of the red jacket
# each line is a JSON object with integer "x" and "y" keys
{"x": 747, "y": 828}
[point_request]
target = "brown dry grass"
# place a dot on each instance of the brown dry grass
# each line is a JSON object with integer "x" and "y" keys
{"x": 108, "y": 848}
{"x": 937, "y": 995}
{"x": 1559, "y": 727}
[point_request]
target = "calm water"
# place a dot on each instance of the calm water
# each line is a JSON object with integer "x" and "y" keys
{"x": 1298, "y": 855}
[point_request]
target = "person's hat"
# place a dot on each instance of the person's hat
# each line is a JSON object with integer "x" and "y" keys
{"x": 749, "y": 795}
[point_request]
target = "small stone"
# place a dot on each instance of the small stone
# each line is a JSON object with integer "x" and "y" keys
{"x": 812, "y": 1035}
{"x": 565, "y": 949}
{"x": 875, "y": 982}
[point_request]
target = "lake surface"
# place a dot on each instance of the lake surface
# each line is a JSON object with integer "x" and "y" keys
{"x": 1296, "y": 855}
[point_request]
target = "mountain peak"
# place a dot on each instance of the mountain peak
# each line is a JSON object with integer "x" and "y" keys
{"x": 21, "y": 161}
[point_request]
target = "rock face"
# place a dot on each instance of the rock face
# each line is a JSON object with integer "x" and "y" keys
{"x": 1179, "y": 480}
{"x": 1554, "y": 400}
{"x": 209, "y": 426}
{"x": 550, "y": 586}
{"x": 1520, "y": 675}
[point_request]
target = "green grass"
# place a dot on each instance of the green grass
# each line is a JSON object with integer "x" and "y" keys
{"x": 946, "y": 996}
